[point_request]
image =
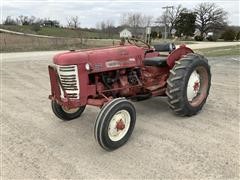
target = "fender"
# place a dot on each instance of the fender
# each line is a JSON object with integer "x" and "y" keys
{"x": 177, "y": 54}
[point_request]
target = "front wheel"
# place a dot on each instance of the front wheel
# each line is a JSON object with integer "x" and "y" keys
{"x": 66, "y": 114}
{"x": 188, "y": 85}
{"x": 114, "y": 124}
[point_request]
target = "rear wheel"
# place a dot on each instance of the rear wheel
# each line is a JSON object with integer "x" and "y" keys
{"x": 66, "y": 114}
{"x": 114, "y": 124}
{"x": 188, "y": 85}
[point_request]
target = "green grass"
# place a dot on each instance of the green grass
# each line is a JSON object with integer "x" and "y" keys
{"x": 61, "y": 32}
{"x": 220, "y": 51}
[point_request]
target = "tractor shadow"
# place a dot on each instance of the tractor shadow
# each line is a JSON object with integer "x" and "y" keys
{"x": 156, "y": 109}
{"x": 153, "y": 111}
{"x": 149, "y": 108}
{"x": 152, "y": 105}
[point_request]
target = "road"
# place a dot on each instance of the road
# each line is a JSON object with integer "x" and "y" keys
{"x": 204, "y": 45}
{"x": 37, "y": 145}
{"x": 40, "y": 55}
{"x": 198, "y": 45}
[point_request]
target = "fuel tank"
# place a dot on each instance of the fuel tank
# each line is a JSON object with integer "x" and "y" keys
{"x": 103, "y": 59}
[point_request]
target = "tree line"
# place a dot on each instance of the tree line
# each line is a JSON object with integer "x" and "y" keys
{"x": 178, "y": 21}
{"x": 32, "y": 20}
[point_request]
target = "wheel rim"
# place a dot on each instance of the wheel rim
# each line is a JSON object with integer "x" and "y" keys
{"x": 119, "y": 125}
{"x": 193, "y": 86}
{"x": 197, "y": 86}
{"x": 70, "y": 111}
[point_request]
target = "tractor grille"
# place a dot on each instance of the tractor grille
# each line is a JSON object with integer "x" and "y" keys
{"x": 69, "y": 78}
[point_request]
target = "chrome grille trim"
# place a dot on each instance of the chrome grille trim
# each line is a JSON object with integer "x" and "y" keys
{"x": 68, "y": 76}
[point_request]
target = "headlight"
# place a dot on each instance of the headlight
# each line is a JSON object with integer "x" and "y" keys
{"x": 87, "y": 67}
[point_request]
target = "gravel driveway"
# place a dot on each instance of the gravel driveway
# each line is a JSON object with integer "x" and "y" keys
{"x": 36, "y": 144}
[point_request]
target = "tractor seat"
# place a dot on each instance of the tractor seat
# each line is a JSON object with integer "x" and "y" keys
{"x": 165, "y": 47}
{"x": 159, "y": 61}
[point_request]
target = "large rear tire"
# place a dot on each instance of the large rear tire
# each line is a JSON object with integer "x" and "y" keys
{"x": 66, "y": 114}
{"x": 188, "y": 85}
{"x": 114, "y": 124}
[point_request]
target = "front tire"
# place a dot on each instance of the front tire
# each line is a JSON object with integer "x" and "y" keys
{"x": 188, "y": 85}
{"x": 66, "y": 114}
{"x": 114, "y": 124}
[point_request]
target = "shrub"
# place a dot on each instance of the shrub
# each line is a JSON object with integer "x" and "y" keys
{"x": 160, "y": 35}
{"x": 212, "y": 38}
{"x": 154, "y": 35}
{"x": 229, "y": 35}
{"x": 198, "y": 38}
{"x": 35, "y": 27}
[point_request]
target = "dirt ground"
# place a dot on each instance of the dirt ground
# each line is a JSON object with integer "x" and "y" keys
{"x": 36, "y": 144}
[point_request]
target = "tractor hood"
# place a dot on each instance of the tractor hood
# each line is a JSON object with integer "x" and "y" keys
{"x": 111, "y": 57}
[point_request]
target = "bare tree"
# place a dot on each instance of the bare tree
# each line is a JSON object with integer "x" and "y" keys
{"x": 21, "y": 19}
{"x": 73, "y": 22}
{"x": 106, "y": 27}
{"x": 209, "y": 17}
{"x": 174, "y": 16}
{"x": 109, "y": 23}
{"x": 169, "y": 18}
{"x": 32, "y": 20}
{"x": 39, "y": 21}
{"x": 136, "y": 21}
{"x": 9, "y": 21}
{"x": 147, "y": 21}
{"x": 24, "y": 20}
{"x": 103, "y": 26}
{"x": 98, "y": 26}
{"x": 109, "y": 27}
{"x": 69, "y": 22}
{"x": 123, "y": 19}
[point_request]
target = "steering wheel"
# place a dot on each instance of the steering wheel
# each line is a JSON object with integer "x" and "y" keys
{"x": 138, "y": 42}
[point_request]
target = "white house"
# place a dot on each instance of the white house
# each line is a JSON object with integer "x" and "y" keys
{"x": 125, "y": 33}
{"x": 210, "y": 34}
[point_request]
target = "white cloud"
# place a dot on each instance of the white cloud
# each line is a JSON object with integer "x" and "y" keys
{"x": 91, "y": 12}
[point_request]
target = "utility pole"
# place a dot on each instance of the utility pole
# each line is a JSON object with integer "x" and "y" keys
{"x": 165, "y": 26}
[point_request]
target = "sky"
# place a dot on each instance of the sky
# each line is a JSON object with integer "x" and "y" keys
{"x": 93, "y": 11}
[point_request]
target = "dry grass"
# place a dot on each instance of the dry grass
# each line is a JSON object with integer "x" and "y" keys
{"x": 61, "y": 32}
{"x": 220, "y": 51}
{"x": 17, "y": 43}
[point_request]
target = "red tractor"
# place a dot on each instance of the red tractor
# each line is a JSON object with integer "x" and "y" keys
{"x": 109, "y": 77}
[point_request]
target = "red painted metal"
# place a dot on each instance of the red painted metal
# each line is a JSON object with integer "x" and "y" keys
{"x": 97, "y": 102}
{"x": 55, "y": 89}
{"x": 101, "y": 60}
{"x": 153, "y": 54}
{"x": 115, "y": 63}
{"x": 120, "y": 125}
{"x": 196, "y": 86}
{"x": 177, "y": 54}
{"x": 155, "y": 77}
